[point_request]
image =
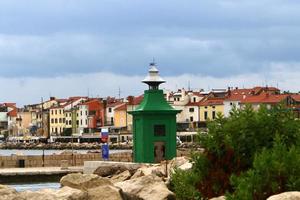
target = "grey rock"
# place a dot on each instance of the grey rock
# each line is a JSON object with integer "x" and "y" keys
{"x": 8, "y": 193}
{"x": 84, "y": 181}
{"x": 106, "y": 192}
{"x": 121, "y": 177}
{"x": 294, "y": 195}
{"x": 65, "y": 193}
{"x": 147, "y": 187}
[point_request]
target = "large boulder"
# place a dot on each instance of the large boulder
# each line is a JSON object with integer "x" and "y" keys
{"x": 179, "y": 162}
{"x": 286, "y": 196}
{"x": 158, "y": 170}
{"x": 84, "y": 181}
{"x": 109, "y": 170}
{"x": 113, "y": 169}
{"x": 65, "y": 193}
{"x": 147, "y": 187}
{"x": 137, "y": 174}
{"x": 121, "y": 177}
{"x": 8, "y": 193}
{"x": 106, "y": 192}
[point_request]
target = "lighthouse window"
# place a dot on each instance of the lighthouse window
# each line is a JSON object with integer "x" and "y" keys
{"x": 159, "y": 130}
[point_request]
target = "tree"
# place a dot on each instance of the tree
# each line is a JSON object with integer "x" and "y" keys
{"x": 274, "y": 171}
{"x": 232, "y": 143}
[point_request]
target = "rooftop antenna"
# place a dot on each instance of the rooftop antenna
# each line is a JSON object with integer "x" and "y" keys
{"x": 88, "y": 92}
{"x": 119, "y": 92}
{"x": 189, "y": 85}
{"x": 153, "y": 61}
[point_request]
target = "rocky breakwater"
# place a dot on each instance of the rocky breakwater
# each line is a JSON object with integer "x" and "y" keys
{"x": 59, "y": 146}
{"x": 109, "y": 183}
{"x": 118, "y": 182}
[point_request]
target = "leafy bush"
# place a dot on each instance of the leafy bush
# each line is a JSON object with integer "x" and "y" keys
{"x": 232, "y": 143}
{"x": 183, "y": 183}
{"x": 274, "y": 171}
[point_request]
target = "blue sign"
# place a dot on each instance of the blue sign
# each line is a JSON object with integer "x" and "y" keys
{"x": 104, "y": 134}
{"x": 105, "y": 151}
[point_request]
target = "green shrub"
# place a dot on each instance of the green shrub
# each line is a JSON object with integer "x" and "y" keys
{"x": 274, "y": 171}
{"x": 231, "y": 145}
{"x": 183, "y": 183}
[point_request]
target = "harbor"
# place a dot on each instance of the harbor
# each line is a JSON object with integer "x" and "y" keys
{"x": 36, "y": 174}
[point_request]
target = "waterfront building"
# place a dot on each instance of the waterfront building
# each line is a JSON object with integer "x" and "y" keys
{"x": 82, "y": 119}
{"x": 187, "y": 102}
{"x": 131, "y": 105}
{"x": 123, "y": 120}
{"x": 57, "y": 120}
{"x": 112, "y": 104}
{"x": 209, "y": 107}
{"x": 236, "y": 96}
{"x": 23, "y": 122}
{"x": 3, "y": 118}
{"x": 120, "y": 116}
{"x": 266, "y": 99}
{"x": 57, "y": 117}
{"x": 96, "y": 114}
{"x": 8, "y": 118}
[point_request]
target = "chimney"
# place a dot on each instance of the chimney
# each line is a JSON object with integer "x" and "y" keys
{"x": 130, "y": 100}
{"x": 52, "y": 98}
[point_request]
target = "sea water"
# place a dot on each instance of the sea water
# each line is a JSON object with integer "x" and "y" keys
{"x": 34, "y": 186}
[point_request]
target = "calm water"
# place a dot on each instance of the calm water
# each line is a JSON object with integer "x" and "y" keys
{"x": 38, "y": 186}
{"x": 34, "y": 152}
{"x": 34, "y": 186}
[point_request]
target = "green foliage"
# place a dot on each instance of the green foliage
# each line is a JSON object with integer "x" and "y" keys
{"x": 183, "y": 183}
{"x": 231, "y": 145}
{"x": 274, "y": 171}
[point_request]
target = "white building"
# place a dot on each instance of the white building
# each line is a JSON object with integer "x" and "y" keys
{"x": 110, "y": 112}
{"x": 82, "y": 118}
{"x": 187, "y": 102}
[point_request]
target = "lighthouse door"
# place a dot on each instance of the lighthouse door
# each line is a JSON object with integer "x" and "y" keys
{"x": 159, "y": 151}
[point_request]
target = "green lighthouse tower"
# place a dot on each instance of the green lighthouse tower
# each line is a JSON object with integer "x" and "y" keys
{"x": 154, "y": 123}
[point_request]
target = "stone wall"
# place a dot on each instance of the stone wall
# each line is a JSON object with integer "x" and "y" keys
{"x": 56, "y": 160}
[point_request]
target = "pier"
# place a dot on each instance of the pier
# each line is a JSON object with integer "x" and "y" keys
{"x": 36, "y": 174}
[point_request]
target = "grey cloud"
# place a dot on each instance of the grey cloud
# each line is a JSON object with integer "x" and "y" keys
{"x": 30, "y": 90}
{"x": 214, "y": 38}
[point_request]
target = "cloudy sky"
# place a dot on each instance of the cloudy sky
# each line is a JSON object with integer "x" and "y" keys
{"x": 79, "y": 47}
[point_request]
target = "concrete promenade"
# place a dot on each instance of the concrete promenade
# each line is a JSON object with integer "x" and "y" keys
{"x": 39, "y": 171}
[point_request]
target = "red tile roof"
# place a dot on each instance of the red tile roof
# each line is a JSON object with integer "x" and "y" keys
{"x": 192, "y": 104}
{"x": 296, "y": 97}
{"x": 137, "y": 100}
{"x": 12, "y": 113}
{"x": 10, "y": 104}
{"x": 60, "y": 100}
{"x": 121, "y": 107}
{"x": 239, "y": 94}
{"x": 114, "y": 104}
{"x": 265, "y": 98}
{"x": 198, "y": 94}
{"x": 211, "y": 102}
{"x": 259, "y": 89}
